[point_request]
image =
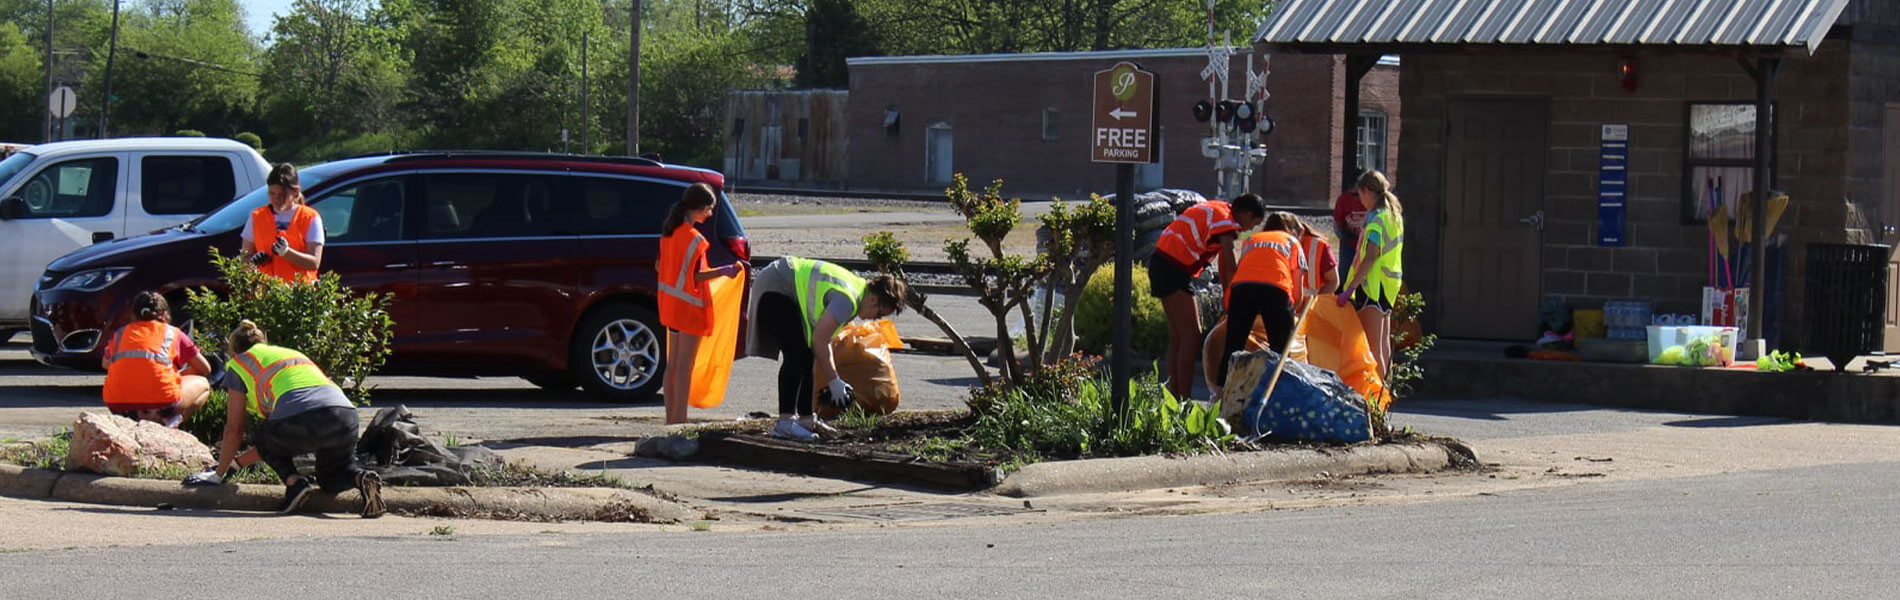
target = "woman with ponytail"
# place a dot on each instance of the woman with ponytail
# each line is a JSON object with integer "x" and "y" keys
{"x": 685, "y": 302}
{"x": 1376, "y": 276}
{"x": 153, "y": 370}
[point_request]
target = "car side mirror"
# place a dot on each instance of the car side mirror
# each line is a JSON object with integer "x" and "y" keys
{"x": 12, "y": 208}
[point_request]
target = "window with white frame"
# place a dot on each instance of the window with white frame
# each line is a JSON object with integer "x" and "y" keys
{"x": 1371, "y": 138}
{"x": 1051, "y": 123}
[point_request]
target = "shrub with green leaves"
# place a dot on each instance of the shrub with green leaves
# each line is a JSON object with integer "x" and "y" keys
{"x": 250, "y": 139}
{"x": 1074, "y": 420}
{"x": 346, "y": 334}
{"x": 1095, "y": 315}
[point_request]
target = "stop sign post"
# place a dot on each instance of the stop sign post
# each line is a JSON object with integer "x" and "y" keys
{"x": 1123, "y": 134}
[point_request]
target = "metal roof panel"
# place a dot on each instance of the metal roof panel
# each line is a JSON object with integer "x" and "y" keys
{"x": 1619, "y": 22}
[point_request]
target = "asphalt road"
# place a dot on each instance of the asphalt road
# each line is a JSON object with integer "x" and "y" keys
{"x": 1803, "y": 533}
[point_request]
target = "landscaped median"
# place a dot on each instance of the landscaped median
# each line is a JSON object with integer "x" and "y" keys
{"x": 526, "y": 503}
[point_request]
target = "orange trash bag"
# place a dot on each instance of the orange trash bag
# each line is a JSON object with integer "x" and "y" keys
{"x": 862, "y": 353}
{"x": 712, "y": 364}
{"x": 1336, "y": 342}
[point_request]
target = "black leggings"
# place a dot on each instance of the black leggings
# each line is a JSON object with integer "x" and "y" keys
{"x": 328, "y": 432}
{"x": 1248, "y": 301}
{"x": 777, "y": 316}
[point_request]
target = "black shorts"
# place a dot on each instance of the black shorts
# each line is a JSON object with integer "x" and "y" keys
{"x": 1360, "y": 301}
{"x": 1165, "y": 277}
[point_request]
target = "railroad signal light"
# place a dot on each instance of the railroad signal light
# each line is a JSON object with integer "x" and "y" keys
{"x": 1224, "y": 111}
{"x": 1244, "y": 116}
{"x": 1203, "y": 111}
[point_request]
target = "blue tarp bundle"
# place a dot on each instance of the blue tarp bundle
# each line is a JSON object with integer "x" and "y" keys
{"x": 1309, "y": 403}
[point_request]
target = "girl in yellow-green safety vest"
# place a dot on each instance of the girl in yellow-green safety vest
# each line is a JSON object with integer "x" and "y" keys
{"x": 797, "y": 306}
{"x": 1373, "y": 283}
{"x": 301, "y": 412}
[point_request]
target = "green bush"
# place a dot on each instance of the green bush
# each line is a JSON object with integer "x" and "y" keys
{"x": 189, "y": 133}
{"x": 1074, "y": 419}
{"x": 1095, "y": 315}
{"x": 345, "y": 334}
{"x": 250, "y": 139}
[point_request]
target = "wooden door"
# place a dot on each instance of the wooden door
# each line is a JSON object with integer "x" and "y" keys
{"x": 1494, "y": 216}
{"x": 1890, "y": 174}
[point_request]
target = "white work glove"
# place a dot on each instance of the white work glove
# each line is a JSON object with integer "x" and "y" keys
{"x": 839, "y": 393}
{"x": 205, "y": 478}
{"x": 281, "y": 246}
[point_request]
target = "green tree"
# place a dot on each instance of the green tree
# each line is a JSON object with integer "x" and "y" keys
{"x": 20, "y": 86}
{"x": 331, "y": 69}
{"x": 834, "y": 31}
{"x": 184, "y": 64}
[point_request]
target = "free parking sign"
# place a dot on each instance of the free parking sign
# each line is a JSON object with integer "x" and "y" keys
{"x": 1123, "y": 119}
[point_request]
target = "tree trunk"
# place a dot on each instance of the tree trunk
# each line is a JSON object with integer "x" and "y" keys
{"x": 956, "y": 339}
{"x": 1005, "y": 348}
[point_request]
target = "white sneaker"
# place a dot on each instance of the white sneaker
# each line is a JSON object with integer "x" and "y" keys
{"x": 816, "y": 426}
{"x": 791, "y": 430}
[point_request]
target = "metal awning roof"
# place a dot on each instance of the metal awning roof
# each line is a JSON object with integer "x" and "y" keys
{"x": 1397, "y": 24}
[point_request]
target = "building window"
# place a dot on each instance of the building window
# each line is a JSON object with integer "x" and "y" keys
{"x": 1719, "y": 157}
{"x": 891, "y": 122}
{"x": 738, "y": 128}
{"x": 1371, "y": 136}
{"x": 804, "y": 128}
{"x": 1051, "y": 124}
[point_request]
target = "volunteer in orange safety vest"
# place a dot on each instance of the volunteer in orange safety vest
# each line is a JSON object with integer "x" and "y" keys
{"x": 1201, "y": 233}
{"x": 285, "y": 237}
{"x": 1268, "y": 284}
{"x": 684, "y": 300}
{"x": 153, "y": 370}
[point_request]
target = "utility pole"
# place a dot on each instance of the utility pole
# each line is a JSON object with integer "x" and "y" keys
{"x": 587, "y": 113}
{"x": 112, "y": 51}
{"x": 633, "y": 80}
{"x": 48, "y": 133}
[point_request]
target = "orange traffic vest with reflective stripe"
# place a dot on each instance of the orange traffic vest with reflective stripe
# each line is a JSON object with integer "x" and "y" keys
{"x": 264, "y": 235}
{"x": 1189, "y": 240}
{"x": 1273, "y": 258}
{"x": 139, "y": 372}
{"x": 685, "y": 302}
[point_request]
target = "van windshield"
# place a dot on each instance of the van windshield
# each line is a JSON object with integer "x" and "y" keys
{"x": 13, "y": 165}
{"x": 232, "y": 215}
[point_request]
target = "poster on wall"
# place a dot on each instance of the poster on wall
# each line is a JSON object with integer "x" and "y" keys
{"x": 1613, "y": 184}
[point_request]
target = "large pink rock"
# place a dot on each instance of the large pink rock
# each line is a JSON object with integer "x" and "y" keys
{"x": 113, "y": 445}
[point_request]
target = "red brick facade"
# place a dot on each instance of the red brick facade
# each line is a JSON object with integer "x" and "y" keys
{"x": 993, "y": 108}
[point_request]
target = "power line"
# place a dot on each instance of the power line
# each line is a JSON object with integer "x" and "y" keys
{"x": 191, "y": 61}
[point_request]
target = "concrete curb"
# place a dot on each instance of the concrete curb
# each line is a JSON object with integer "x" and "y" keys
{"x": 1148, "y": 472}
{"x": 558, "y": 504}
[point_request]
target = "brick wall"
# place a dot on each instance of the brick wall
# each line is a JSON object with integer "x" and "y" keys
{"x": 1665, "y": 260}
{"x": 995, "y": 110}
{"x": 1309, "y": 96}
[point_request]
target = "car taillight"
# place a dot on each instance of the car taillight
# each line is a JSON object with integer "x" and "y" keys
{"x": 739, "y": 247}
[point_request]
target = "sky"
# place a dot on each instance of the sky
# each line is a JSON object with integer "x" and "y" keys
{"x": 257, "y": 13}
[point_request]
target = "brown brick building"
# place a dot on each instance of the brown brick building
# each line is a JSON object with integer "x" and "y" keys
{"x": 913, "y": 120}
{"x": 1506, "y": 111}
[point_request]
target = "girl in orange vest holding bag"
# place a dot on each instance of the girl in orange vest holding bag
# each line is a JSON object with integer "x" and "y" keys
{"x": 1268, "y": 284}
{"x": 153, "y": 370}
{"x": 284, "y": 238}
{"x": 684, "y": 300}
{"x": 1186, "y": 246}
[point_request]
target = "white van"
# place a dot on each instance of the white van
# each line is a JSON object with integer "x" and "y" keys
{"x": 59, "y": 197}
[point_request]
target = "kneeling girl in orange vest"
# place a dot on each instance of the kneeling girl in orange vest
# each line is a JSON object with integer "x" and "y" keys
{"x": 1267, "y": 285}
{"x": 684, "y": 300}
{"x": 153, "y": 370}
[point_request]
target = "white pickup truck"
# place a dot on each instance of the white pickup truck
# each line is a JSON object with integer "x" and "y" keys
{"x": 62, "y": 196}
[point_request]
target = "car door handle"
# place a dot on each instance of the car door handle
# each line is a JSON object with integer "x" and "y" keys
{"x": 444, "y": 263}
{"x": 393, "y": 266}
{"x": 101, "y": 236}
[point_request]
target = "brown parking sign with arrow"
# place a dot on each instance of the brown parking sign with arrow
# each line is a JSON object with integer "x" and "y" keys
{"x": 1124, "y": 122}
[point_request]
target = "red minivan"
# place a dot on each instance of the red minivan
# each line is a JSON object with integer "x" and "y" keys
{"x": 494, "y": 263}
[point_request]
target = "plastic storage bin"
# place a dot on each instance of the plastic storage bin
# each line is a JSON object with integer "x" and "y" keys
{"x": 1663, "y": 337}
